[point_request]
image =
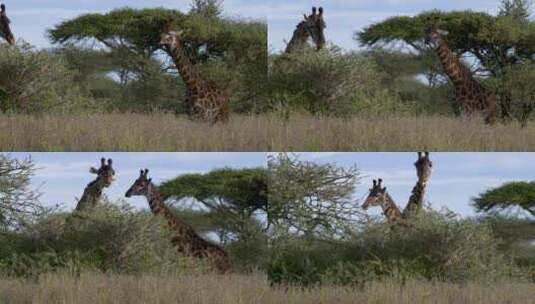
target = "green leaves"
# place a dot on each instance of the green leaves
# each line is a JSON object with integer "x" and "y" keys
{"x": 520, "y": 194}
{"x": 495, "y": 41}
{"x": 131, "y": 28}
{"x": 463, "y": 27}
{"x": 234, "y": 199}
{"x": 139, "y": 30}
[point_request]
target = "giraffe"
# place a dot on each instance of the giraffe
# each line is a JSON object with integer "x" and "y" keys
{"x": 187, "y": 241}
{"x": 204, "y": 100}
{"x": 379, "y": 197}
{"x": 5, "y": 29}
{"x": 424, "y": 167}
{"x": 93, "y": 191}
{"x": 470, "y": 95}
{"x": 312, "y": 26}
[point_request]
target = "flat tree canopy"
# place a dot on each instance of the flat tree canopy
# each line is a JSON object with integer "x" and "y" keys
{"x": 496, "y": 41}
{"x": 514, "y": 194}
{"x": 235, "y": 198}
{"x": 138, "y": 30}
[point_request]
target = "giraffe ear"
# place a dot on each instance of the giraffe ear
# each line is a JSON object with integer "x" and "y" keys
{"x": 93, "y": 170}
{"x": 384, "y": 189}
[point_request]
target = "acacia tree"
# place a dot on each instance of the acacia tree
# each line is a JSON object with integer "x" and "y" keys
{"x": 310, "y": 199}
{"x": 507, "y": 196}
{"x": 498, "y": 43}
{"x": 235, "y": 200}
{"x": 232, "y": 52}
{"x": 18, "y": 203}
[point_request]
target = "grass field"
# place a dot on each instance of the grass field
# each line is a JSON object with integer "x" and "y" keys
{"x": 99, "y": 288}
{"x": 165, "y": 132}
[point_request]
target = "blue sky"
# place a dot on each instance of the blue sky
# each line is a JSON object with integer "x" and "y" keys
{"x": 62, "y": 177}
{"x": 456, "y": 177}
{"x": 344, "y": 17}
{"x": 31, "y": 18}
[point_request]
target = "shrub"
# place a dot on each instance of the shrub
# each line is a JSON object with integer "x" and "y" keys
{"x": 438, "y": 246}
{"x": 37, "y": 81}
{"x": 330, "y": 82}
{"x": 111, "y": 238}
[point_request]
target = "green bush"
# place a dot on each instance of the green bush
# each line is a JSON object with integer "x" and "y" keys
{"x": 37, "y": 81}
{"x": 111, "y": 238}
{"x": 330, "y": 82}
{"x": 438, "y": 246}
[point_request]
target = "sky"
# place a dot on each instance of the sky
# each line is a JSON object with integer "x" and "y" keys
{"x": 62, "y": 177}
{"x": 456, "y": 177}
{"x": 31, "y": 18}
{"x": 345, "y": 17}
{"x": 455, "y": 180}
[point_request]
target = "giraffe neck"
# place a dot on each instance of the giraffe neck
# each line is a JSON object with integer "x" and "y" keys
{"x": 453, "y": 67}
{"x": 299, "y": 38}
{"x": 91, "y": 196}
{"x": 187, "y": 70}
{"x": 416, "y": 199}
{"x": 390, "y": 209}
{"x": 157, "y": 207}
{"x": 185, "y": 238}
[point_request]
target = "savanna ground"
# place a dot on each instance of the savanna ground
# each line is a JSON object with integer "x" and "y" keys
{"x": 246, "y": 288}
{"x": 268, "y": 132}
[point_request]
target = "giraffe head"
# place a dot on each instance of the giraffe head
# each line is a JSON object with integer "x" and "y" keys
{"x": 377, "y": 195}
{"x": 172, "y": 39}
{"x": 433, "y": 35}
{"x": 423, "y": 165}
{"x": 105, "y": 173}
{"x": 315, "y": 26}
{"x": 142, "y": 185}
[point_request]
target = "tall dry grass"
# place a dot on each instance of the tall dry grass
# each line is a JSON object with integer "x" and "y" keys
{"x": 165, "y": 132}
{"x": 100, "y": 288}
